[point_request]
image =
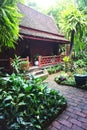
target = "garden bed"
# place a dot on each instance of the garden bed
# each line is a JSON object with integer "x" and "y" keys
{"x": 44, "y": 125}
{"x": 28, "y": 104}
{"x": 70, "y": 81}
{"x": 55, "y": 69}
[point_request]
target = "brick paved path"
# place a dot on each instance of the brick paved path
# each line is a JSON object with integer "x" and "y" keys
{"x": 75, "y": 115}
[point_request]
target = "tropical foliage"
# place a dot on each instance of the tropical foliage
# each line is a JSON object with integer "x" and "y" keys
{"x": 82, "y": 4}
{"x": 19, "y": 64}
{"x": 9, "y": 23}
{"x": 73, "y": 23}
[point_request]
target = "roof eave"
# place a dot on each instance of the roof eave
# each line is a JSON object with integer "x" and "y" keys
{"x": 45, "y": 39}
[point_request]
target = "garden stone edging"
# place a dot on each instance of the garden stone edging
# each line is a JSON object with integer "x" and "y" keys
{"x": 48, "y": 122}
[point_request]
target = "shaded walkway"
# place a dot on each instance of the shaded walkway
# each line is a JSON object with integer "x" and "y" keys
{"x": 75, "y": 115}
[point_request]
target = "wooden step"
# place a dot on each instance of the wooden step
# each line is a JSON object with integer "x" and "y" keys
{"x": 38, "y": 72}
{"x": 33, "y": 68}
{"x": 44, "y": 75}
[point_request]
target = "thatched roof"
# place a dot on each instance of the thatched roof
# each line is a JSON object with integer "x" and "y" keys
{"x": 37, "y": 25}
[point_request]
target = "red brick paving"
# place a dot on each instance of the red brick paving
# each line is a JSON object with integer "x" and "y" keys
{"x": 75, "y": 115}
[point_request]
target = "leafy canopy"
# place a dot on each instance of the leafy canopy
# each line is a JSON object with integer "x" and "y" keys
{"x": 9, "y": 23}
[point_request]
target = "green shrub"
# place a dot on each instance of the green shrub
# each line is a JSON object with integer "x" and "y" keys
{"x": 80, "y": 63}
{"x": 70, "y": 81}
{"x": 66, "y": 80}
{"x": 55, "y": 69}
{"x": 49, "y": 69}
{"x": 85, "y": 59}
{"x": 59, "y": 67}
{"x": 80, "y": 71}
{"x": 27, "y": 104}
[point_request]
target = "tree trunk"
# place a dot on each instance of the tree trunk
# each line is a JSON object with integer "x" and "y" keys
{"x": 72, "y": 41}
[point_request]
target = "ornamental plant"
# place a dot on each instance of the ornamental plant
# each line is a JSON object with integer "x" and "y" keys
{"x": 19, "y": 65}
{"x": 66, "y": 60}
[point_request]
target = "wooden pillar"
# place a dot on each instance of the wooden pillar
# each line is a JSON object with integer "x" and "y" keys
{"x": 39, "y": 60}
{"x": 67, "y": 50}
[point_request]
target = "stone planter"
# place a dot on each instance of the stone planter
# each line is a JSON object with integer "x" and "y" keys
{"x": 80, "y": 79}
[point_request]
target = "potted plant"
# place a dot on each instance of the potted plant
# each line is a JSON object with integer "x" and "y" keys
{"x": 36, "y": 60}
{"x": 80, "y": 77}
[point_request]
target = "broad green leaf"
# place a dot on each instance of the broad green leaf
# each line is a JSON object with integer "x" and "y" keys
{"x": 28, "y": 88}
{"x": 8, "y": 98}
{"x": 21, "y": 95}
{"x": 21, "y": 103}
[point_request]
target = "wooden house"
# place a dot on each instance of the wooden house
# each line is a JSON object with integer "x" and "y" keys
{"x": 40, "y": 36}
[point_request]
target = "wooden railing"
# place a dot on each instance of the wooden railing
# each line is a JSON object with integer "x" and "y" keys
{"x": 49, "y": 60}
